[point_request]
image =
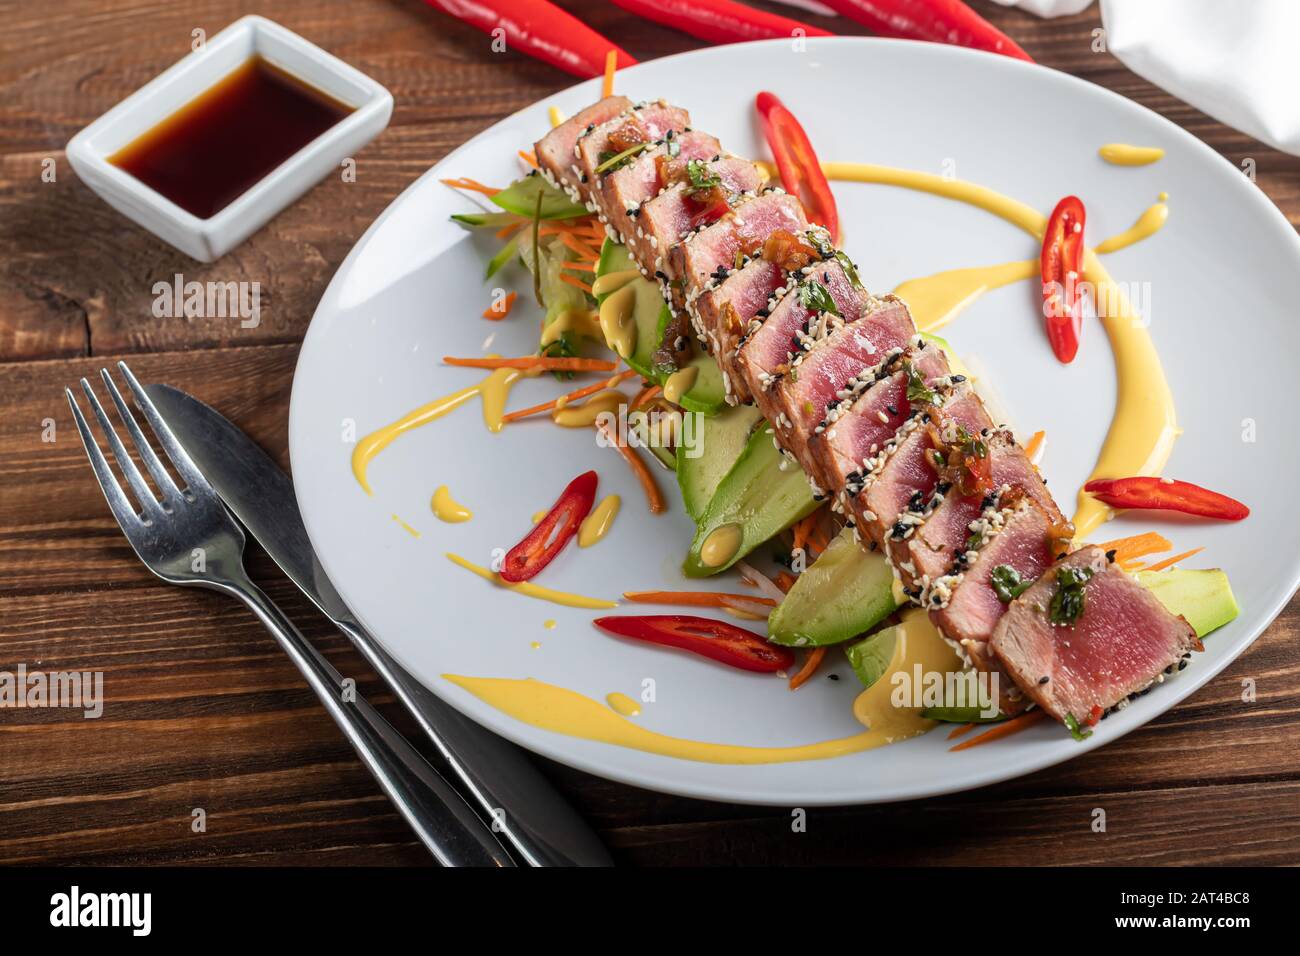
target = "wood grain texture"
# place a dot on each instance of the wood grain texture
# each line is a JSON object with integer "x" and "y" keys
{"x": 202, "y": 709}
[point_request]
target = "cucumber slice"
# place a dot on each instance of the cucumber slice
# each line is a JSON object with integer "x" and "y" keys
{"x": 520, "y": 198}
{"x": 718, "y": 444}
{"x": 845, "y": 592}
{"x": 759, "y": 497}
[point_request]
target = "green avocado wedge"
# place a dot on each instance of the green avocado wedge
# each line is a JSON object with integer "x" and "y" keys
{"x": 718, "y": 443}
{"x": 1203, "y": 597}
{"x": 872, "y": 655}
{"x": 761, "y": 496}
{"x": 846, "y": 592}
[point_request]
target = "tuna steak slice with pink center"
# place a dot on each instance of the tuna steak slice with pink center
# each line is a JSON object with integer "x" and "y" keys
{"x": 747, "y": 291}
{"x": 1121, "y": 642}
{"x": 716, "y": 246}
{"x": 648, "y": 122}
{"x": 555, "y": 149}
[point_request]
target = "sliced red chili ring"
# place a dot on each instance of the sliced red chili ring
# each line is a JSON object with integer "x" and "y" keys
{"x": 552, "y": 533}
{"x": 1165, "y": 494}
{"x": 1061, "y": 264}
{"x": 801, "y": 171}
{"x": 718, "y": 640}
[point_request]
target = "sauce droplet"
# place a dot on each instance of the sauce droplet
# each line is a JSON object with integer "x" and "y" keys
{"x": 721, "y": 545}
{"x": 596, "y": 525}
{"x": 584, "y": 414}
{"x": 549, "y": 624}
{"x": 613, "y": 281}
{"x": 616, "y": 321}
{"x": 447, "y": 508}
{"x": 406, "y": 527}
{"x": 623, "y": 704}
{"x": 1122, "y": 154}
{"x": 680, "y": 382}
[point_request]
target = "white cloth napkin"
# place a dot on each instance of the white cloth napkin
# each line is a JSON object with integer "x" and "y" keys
{"x": 1048, "y": 8}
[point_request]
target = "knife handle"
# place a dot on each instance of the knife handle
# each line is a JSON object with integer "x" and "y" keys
{"x": 522, "y": 805}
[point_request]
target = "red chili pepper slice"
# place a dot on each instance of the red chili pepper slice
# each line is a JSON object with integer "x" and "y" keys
{"x": 1061, "y": 262}
{"x": 801, "y": 172}
{"x": 540, "y": 29}
{"x": 719, "y": 21}
{"x": 941, "y": 21}
{"x": 1165, "y": 494}
{"x": 710, "y": 638}
{"x": 552, "y": 533}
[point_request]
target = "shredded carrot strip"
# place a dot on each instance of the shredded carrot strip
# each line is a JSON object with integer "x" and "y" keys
{"x": 509, "y": 228}
{"x": 695, "y": 598}
{"x": 570, "y": 397}
{"x": 1005, "y": 729}
{"x": 496, "y": 314}
{"x": 580, "y": 266}
{"x": 611, "y": 64}
{"x": 810, "y": 665}
{"x": 1034, "y": 443}
{"x": 544, "y": 362}
{"x": 581, "y": 248}
{"x": 785, "y": 581}
{"x": 643, "y": 396}
{"x": 801, "y": 529}
{"x": 1138, "y": 545}
{"x": 1170, "y": 562}
{"x": 961, "y": 731}
{"x": 471, "y": 185}
{"x": 528, "y": 158}
{"x": 574, "y": 280}
{"x": 818, "y": 537}
{"x": 642, "y": 473}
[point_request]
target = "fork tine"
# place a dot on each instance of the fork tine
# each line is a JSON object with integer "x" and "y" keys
{"x": 118, "y": 503}
{"x": 147, "y": 454}
{"x": 148, "y": 503}
{"x": 180, "y": 458}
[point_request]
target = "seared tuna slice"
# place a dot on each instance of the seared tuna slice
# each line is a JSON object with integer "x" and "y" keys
{"x": 644, "y": 123}
{"x": 1082, "y": 652}
{"x": 713, "y": 249}
{"x": 931, "y": 535}
{"x": 666, "y": 218}
{"x": 777, "y": 340}
{"x": 857, "y": 427}
{"x": 555, "y": 149}
{"x": 724, "y": 310}
{"x": 620, "y": 193}
{"x": 802, "y": 394}
{"x": 878, "y": 490}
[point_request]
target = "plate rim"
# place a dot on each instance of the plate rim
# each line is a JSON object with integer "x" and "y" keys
{"x": 991, "y": 773}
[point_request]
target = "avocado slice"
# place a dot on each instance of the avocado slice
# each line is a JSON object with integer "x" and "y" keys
{"x": 1203, "y": 597}
{"x": 719, "y": 441}
{"x": 761, "y": 496}
{"x": 872, "y": 655}
{"x": 649, "y": 303}
{"x": 847, "y": 591}
{"x": 707, "y": 396}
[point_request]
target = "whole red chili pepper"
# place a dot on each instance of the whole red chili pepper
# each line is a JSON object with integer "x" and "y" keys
{"x": 552, "y": 533}
{"x": 720, "y": 21}
{"x": 942, "y": 21}
{"x": 710, "y": 638}
{"x": 801, "y": 171}
{"x": 1061, "y": 262}
{"x": 1165, "y": 494}
{"x": 540, "y": 29}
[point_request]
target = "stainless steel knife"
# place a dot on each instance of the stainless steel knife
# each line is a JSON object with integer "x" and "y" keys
{"x": 495, "y": 775}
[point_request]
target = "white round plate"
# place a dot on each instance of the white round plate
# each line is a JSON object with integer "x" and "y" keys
{"x": 1220, "y": 285}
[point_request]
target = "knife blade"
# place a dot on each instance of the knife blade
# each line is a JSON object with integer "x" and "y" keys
{"x": 496, "y": 775}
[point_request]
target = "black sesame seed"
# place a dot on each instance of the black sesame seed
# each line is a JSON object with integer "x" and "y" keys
{"x": 1043, "y": 680}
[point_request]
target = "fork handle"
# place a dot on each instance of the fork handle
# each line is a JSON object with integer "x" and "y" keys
{"x": 444, "y": 822}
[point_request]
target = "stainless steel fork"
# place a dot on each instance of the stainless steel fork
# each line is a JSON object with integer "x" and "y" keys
{"x": 189, "y": 538}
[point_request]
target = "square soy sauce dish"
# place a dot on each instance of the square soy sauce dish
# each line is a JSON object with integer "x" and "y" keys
{"x": 209, "y": 151}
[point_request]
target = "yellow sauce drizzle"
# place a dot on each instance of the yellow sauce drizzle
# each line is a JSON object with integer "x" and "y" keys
{"x": 575, "y": 715}
{"x": 539, "y": 515}
{"x": 1122, "y": 154}
{"x": 612, "y": 281}
{"x": 447, "y": 508}
{"x": 532, "y": 590}
{"x": 494, "y": 390}
{"x": 596, "y": 525}
{"x": 623, "y": 704}
{"x": 583, "y": 322}
{"x": 680, "y": 382}
{"x": 936, "y": 300}
{"x": 720, "y": 545}
{"x": 616, "y": 321}
{"x": 406, "y": 527}
{"x": 584, "y": 414}
{"x": 1148, "y": 224}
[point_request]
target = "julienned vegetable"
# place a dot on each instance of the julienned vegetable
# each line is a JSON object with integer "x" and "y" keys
{"x": 723, "y": 642}
{"x": 540, "y": 29}
{"x": 720, "y": 21}
{"x": 1061, "y": 261}
{"x": 941, "y": 21}
{"x": 552, "y": 533}
{"x": 1165, "y": 494}
{"x": 801, "y": 172}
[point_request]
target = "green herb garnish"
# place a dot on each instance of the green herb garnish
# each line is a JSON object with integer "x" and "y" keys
{"x": 917, "y": 390}
{"x": 1076, "y": 730}
{"x": 701, "y": 179}
{"x": 819, "y": 242}
{"x": 815, "y": 296}
{"x": 1007, "y": 583}
{"x": 1067, "y": 602}
{"x": 849, "y": 269}
{"x": 537, "y": 252}
{"x": 609, "y": 161}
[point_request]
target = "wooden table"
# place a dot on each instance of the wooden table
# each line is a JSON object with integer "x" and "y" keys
{"x": 203, "y": 711}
